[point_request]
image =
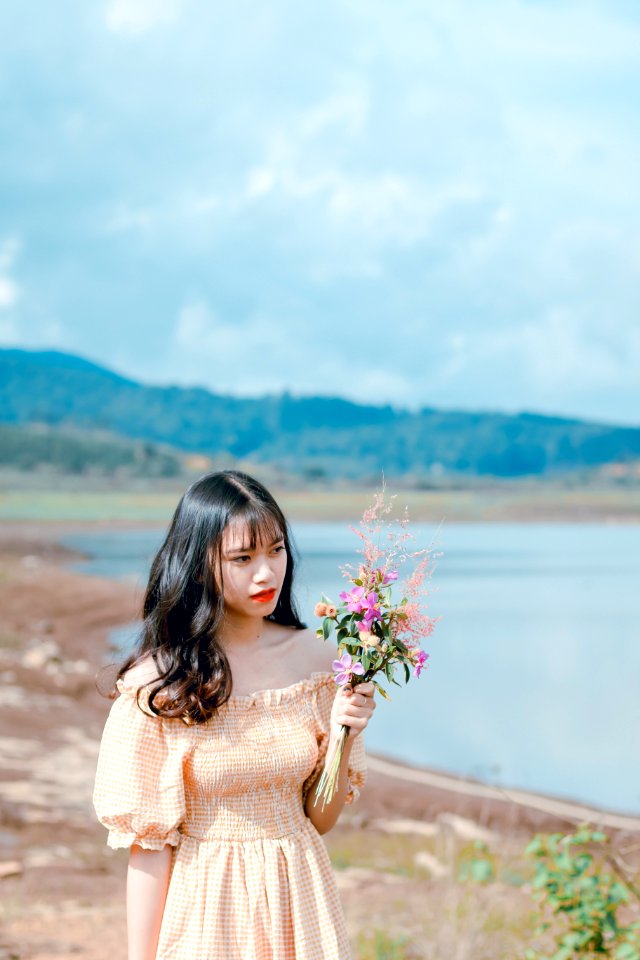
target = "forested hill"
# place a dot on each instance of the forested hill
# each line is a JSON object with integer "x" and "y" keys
{"x": 305, "y": 435}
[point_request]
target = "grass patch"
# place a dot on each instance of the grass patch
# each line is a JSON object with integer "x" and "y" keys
{"x": 9, "y": 640}
{"x": 378, "y": 945}
{"x": 506, "y": 500}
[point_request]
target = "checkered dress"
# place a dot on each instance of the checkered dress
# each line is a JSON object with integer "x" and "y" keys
{"x": 250, "y": 876}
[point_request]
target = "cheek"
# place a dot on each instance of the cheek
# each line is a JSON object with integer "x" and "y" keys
{"x": 231, "y": 580}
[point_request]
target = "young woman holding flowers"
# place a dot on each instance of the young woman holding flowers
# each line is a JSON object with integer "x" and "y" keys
{"x": 211, "y": 755}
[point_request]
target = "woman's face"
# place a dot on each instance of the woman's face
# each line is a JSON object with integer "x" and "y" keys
{"x": 251, "y": 579}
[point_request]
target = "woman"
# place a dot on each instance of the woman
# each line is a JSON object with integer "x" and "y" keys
{"x": 210, "y": 755}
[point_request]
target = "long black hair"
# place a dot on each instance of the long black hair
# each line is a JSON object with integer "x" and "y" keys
{"x": 183, "y": 605}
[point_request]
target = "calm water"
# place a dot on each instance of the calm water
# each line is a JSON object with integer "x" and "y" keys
{"x": 534, "y": 677}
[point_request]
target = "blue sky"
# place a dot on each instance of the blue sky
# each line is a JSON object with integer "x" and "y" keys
{"x": 415, "y": 203}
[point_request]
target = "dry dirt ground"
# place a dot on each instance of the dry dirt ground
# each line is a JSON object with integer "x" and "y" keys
{"x": 397, "y": 853}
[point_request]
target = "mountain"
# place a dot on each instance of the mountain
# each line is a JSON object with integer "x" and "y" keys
{"x": 302, "y": 435}
{"x": 64, "y": 450}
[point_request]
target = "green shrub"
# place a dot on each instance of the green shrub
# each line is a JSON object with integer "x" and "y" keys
{"x": 575, "y": 888}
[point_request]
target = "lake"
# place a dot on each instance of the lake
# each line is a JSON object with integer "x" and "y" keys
{"x": 534, "y": 676}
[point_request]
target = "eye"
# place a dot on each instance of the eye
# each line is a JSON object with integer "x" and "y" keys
{"x": 241, "y": 559}
{"x": 279, "y": 548}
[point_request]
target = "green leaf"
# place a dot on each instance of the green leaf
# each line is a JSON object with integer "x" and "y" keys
{"x": 481, "y": 871}
{"x": 327, "y": 626}
{"x": 381, "y": 690}
{"x": 534, "y": 847}
{"x": 618, "y": 893}
{"x": 627, "y": 951}
{"x": 352, "y": 642}
{"x": 407, "y": 673}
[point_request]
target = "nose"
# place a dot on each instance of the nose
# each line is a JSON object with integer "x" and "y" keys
{"x": 264, "y": 574}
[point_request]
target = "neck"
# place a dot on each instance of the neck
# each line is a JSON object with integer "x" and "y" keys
{"x": 238, "y": 631}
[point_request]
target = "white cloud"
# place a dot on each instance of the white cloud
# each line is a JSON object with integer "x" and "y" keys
{"x": 385, "y": 208}
{"x": 125, "y": 218}
{"x": 347, "y": 111}
{"x": 456, "y": 182}
{"x": 562, "y": 355}
{"x": 250, "y": 357}
{"x": 9, "y": 332}
{"x": 137, "y": 16}
{"x": 260, "y": 182}
{"x": 9, "y": 293}
{"x": 9, "y": 250}
{"x": 168, "y": 214}
{"x": 9, "y": 289}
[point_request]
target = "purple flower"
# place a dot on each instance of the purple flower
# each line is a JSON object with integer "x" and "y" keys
{"x": 345, "y": 666}
{"x": 389, "y": 577}
{"x": 353, "y": 599}
{"x": 420, "y": 659}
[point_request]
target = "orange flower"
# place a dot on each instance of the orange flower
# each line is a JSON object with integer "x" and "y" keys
{"x": 320, "y": 610}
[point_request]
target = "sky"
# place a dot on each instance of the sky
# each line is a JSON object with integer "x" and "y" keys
{"x": 416, "y": 203}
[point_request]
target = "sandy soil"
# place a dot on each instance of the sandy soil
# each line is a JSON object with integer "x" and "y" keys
{"x": 62, "y": 890}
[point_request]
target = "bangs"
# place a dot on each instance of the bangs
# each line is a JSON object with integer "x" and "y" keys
{"x": 261, "y": 523}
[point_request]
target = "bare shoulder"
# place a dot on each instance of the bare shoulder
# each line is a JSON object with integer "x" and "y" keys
{"x": 141, "y": 674}
{"x": 319, "y": 653}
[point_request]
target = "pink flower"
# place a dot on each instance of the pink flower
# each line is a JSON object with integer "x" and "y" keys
{"x": 353, "y": 599}
{"x": 419, "y": 661}
{"x": 370, "y": 609}
{"x": 345, "y": 666}
{"x": 390, "y": 577}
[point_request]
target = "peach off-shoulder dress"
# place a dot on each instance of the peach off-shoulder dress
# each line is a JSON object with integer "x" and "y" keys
{"x": 250, "y": 876}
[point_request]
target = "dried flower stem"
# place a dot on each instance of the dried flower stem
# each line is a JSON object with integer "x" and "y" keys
{"x": 328, "y": 783}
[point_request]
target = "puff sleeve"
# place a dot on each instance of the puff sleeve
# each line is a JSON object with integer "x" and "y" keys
{"x": 323, "y": 698}
{"x": 139, "y": 786}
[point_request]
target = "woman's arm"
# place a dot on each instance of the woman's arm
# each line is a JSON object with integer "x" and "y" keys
{"x": 352, "y": 708}
{"x": 147, "y": 884}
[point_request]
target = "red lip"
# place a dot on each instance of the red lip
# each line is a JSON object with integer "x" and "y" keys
{"x": 264, "y": 596}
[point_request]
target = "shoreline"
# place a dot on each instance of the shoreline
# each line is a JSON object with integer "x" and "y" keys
{"x": 528, "y": 500}
{"x": 562, "y": 808}
{"x": 40, "y": 547}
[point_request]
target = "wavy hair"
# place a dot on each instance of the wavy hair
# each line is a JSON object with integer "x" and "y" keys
{"x": 183, "y": 604}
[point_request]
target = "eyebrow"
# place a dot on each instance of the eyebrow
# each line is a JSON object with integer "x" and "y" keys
{"x": 245, "y": 549}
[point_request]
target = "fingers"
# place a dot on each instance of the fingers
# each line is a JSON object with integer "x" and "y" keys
{"x": 363, "y": 689}
{"x": 366, "y": 689}
{"x": 353, "y": 708}
{"x": 358, "y": 700}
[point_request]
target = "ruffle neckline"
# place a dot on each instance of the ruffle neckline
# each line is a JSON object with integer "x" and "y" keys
{"x": 268, "y": 697}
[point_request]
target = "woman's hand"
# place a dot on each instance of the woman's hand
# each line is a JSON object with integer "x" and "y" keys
{"x": 353, "y": 708}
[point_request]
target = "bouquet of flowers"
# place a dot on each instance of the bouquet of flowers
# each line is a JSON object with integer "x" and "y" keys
{"x": 377, "y": 634}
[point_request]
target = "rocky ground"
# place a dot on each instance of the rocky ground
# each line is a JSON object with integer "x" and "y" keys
{"x": 398, "y": 853}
